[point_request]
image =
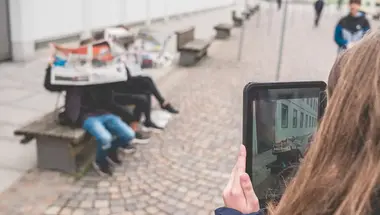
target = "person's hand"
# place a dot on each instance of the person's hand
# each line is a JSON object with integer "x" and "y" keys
{"x": 239, "y": 193}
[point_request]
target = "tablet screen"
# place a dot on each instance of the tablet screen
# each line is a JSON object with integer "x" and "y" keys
{"x": 284, "y": 121}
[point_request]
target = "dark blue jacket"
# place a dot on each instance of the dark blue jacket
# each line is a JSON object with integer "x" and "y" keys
{"x": 229, "y": 211}
{"x": 350, "y": 29}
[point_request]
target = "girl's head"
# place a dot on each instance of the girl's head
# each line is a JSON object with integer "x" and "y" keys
{"x": 342, "y": 168}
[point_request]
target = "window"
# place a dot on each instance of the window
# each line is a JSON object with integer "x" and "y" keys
{"x": 301, "y": 120}
{"x": 295, "y": 118}
{"x": 284, "y": 116}
{"x": 310, "y": 121}
{"x": 306, "y": 121}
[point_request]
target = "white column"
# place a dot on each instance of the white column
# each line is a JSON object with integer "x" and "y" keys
{"x": 123, "y": 11}
{"x": 166, "y": 10}
{"x": 21, "y": 26}
{"x": 148, "y": 19}
{"x": 86, "y": 19}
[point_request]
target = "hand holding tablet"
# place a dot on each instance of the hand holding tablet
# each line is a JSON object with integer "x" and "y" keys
{"x": 279, "y": 120}
{"x": 239, "y": 193}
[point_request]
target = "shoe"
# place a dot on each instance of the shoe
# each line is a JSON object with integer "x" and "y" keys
{"x": 153, "y": 127}
{"x": 142, "y": 137}
{"x": 102, "y": 168}
{"x": 129, "y": 149}
{"x": 169, "y": 108}
{"x": 114, "y": 159}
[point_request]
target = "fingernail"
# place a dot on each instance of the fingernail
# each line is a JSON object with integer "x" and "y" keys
{"x": 244, "y": 177}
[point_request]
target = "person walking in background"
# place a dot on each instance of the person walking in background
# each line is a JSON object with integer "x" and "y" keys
{"x": 339, "y": 5}
{"x": 279, "y": 3}
{"x": 352, "y": 27}
{"x": 318, "y": 6}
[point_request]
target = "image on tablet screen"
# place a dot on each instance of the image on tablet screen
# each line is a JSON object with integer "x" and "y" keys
{"x": 283, "y": 127}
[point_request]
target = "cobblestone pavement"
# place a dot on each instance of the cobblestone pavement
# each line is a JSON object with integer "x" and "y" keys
{"x": 184, "y": 169}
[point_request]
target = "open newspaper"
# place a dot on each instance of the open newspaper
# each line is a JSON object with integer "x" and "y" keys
{"x": 87, "y": 65}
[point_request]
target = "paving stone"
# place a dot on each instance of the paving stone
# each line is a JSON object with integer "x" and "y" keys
{"x": 86, "y": 204}
{"x": 53, "y": 210}
{"x": 101, "y": 203}
{"x": 152, "y": 210}
{"x": 117, "y": 209}
{"x": 78, "y": 212}
{"x": 66, "y": 211}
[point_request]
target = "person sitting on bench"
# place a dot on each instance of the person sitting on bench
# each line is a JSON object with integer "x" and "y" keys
{"x": 142, "y": 102}
{"x": 138, "y": 84}
{"x": 123, "y": 97}
{"x": 145, "y": 85}
{"x": 83, "y": 109}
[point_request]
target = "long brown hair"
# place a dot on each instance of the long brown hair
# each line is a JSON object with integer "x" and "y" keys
{"x": 342, "y": 168}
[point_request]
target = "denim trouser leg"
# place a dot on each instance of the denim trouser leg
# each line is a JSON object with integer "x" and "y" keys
{"x": 94, "y": 125}
{"x": 124, "y": 134}
{"x": 102, "y": 128}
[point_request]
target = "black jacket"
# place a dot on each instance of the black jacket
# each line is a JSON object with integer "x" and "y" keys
{"x": 82, "y": 101}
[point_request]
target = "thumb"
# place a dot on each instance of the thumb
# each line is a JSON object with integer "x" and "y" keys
{"x": 249, "y": 193}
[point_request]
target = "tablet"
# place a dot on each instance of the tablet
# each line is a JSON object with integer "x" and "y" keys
{"x": 279, "y": 121}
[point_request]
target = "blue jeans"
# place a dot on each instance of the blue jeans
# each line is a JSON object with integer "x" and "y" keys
{"x": 103, "y": 128}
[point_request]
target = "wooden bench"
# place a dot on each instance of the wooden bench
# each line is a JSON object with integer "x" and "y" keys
{"x": 191, "y": 50}
{"x": 246, "y": 14}
{"x": 254, "y": 9}
{"x": 61, "y": 148}
{"x": 223, "y": 31}
{"x": 236, "y": 20}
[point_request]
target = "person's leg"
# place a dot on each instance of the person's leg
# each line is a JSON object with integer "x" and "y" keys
{"x": 141, "y": 102}
{"x": 124, "y": 135}
{"x": 317, "y": 18}
{"x": 95, "y": 126}
{"x": 143, "y": 105}
{"x": 149, "y": 84}
{"x": 146, "y": 85}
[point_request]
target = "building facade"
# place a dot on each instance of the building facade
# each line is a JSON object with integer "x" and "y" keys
{"x": 277, "y": 121}
{"x": 26, "y": 23}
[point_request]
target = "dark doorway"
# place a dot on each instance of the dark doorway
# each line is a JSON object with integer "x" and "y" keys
{"x": 5, "y": 42}
{"x": 265, "y": 124}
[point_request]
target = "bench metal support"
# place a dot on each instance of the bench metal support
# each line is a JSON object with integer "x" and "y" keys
{"x": 238, "y": 22}
{"x": 188, "y": 58}
{"x": 55, "y": 154}
{"x": 223, "y": 33}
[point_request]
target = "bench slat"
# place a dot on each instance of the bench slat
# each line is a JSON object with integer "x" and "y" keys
{"x": 47, "y": 126}
{"x": 224, "y": 26}
{"x": 196, "y": 45}
{"x": 184, "y": 36}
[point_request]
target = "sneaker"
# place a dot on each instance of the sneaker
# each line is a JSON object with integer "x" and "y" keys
{"x": 153, "y": 127}
{"x": 169, "y": 108}
{"x": 103, "y": 169}
{"x": 142, "y": 137}
{"x": 129, "y": 149}
{"x": 113, "y": 158}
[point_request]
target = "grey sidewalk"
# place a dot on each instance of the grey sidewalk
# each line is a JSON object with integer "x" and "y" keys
{"x": 22, "y": 97}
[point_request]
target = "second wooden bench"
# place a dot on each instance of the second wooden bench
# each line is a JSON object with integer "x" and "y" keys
{"x": 191, "y": 50}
